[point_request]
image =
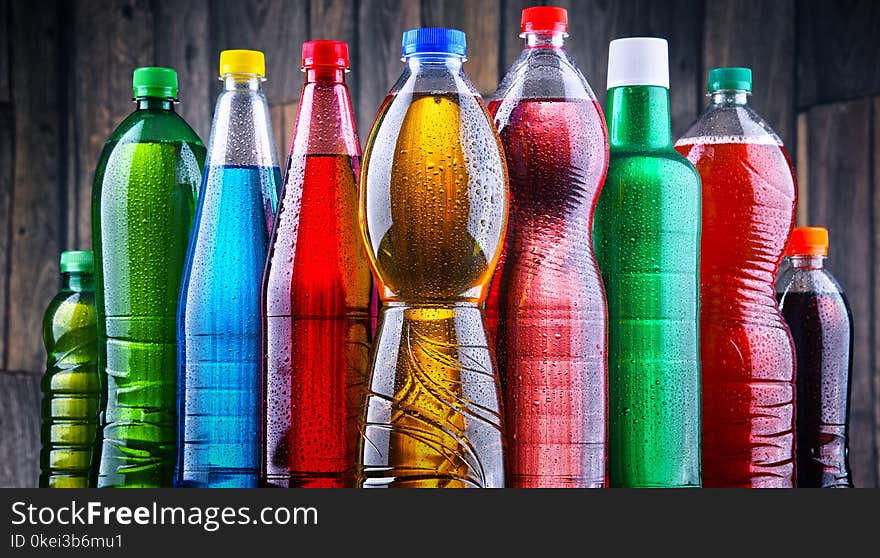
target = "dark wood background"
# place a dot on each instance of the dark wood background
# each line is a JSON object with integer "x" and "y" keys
{"x": 65, "y": 83}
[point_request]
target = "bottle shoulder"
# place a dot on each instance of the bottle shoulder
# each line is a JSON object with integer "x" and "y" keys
{"x": 656, "y": 162}
{"x": 155, "y": 126}
{"x": 730, "y": 124}
{"x": 544, "y": 73}
{"x": 807, "y": 280}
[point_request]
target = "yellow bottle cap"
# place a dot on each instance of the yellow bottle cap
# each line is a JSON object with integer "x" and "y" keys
{"x": 242, "y": 62}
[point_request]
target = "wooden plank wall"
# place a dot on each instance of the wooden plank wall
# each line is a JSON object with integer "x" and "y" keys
{"x": 65, "y": 75}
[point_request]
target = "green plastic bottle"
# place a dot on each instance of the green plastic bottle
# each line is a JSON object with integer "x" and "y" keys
{"x": 647, "y": 236}
{"x": 71, "y": 391}
{"x": 142, "y": 207}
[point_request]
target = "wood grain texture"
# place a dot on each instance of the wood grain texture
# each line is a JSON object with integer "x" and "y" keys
{"x": 181, "y": 29}
{"x": 764, "y": 40}
{"x": 594, "y": 23}
{"x": 36, "y": 231}
{"x": 337, "y": 20}
{"x": 111, "y": 38}
{"x": 837, "y": 44}
{"x": 20, "y": 424}
{"x": 875, "y": 159}
{"x": 5, "y": 50}
{"x": 841, "y": 199}
{"x": 380, "y": 25}
{"x": 276, "y": 27}
{"x": 6, "y": 176}
{"x": 283, "y": 120}
{"x": 480, "y": 20}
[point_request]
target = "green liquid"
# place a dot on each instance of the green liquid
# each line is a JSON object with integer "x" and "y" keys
{"x": 143, "y": 204}
{"x": 71, "y": 390}
{"x": 647, "y": 232}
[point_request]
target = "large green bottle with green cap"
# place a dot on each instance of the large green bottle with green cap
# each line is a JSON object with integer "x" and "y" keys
{"x": 647, "y": 238}
{"x": 143, "y": 202}
{"x": 71, "y": 391}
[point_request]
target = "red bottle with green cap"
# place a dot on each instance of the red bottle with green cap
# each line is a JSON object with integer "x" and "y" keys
{"x": 71, "y": 391}
{"x": 143, "y": 202}
{"x": 749, "y": 199}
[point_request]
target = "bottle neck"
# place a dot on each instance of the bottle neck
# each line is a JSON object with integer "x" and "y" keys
{"x": 808, "y": 261}
{"x": 638, "y": 117}
{"x": 154, "y": 103}
{"x": 429, "y": 61}
{"x": 242, "y": 82}
{"x": 325, "y": 74}
{"x": 544, "y": 39}
{"x": 78, "y": 282}
{"x": 729, "y": 98}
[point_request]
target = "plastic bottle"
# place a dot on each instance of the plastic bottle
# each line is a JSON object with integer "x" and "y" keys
{"x": 143, "y": 202}
{"x": 747, "y": 359}
{"x": 218, "y": 316}
{"x": 433, "y": 213}
{"x": 317, "y": 286}
{"x": 71, "y": 390}
{"x": 815, "y": 308}
{"x": 647, "y": 232}
{"x": 546, "y": 305}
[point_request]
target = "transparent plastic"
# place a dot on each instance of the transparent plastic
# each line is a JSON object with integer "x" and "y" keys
{"x": 71, "y": 389}
{"x": 316, "y": 299}
{"x": 143, "y": 202}
{"x": 433, "y": 208}
{"x": 815, "y": 307}
{"x": 218, "y": 314}
{"x": 747, "y": 357}
{"x": 546, "y": 305}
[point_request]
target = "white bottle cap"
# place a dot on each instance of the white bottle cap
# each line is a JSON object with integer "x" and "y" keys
{"x": 638, "y": 61}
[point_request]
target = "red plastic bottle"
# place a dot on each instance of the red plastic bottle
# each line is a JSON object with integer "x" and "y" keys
{"x": 316, "y": 288}
{"x": 747, "y": 356}
{"x": 546, "y": 305}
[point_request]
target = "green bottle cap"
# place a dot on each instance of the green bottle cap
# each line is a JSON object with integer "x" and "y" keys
{"x": 155, "y": 82}
{"x": 77, "y": 261}
{"x": 721, "y": 79}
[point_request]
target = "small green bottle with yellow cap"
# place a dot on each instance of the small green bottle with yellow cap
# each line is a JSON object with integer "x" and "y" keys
{"x": 143, "y": 202}
{"x": 71, "y": 391}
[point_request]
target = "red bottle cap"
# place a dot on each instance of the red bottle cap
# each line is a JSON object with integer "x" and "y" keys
{"x": 325, "y": 53}
{"x": 808, "y": 241}
{"x": 549, "y": 19}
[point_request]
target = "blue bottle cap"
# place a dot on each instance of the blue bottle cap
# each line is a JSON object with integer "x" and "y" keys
{"x": 439, "y": 40}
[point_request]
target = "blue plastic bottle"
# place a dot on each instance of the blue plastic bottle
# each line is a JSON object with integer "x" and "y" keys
{"x": 219, "y": 309}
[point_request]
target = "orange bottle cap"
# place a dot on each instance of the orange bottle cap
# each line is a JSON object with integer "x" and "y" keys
{"x": 808, "y": 241}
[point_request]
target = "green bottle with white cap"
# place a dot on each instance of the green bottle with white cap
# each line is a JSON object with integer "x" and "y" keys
{"x": 71, "y": 391}
{"x": 647, "y": 241}
{"x": 143, "y": 201}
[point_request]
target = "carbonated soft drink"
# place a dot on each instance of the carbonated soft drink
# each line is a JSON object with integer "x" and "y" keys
{"x": 747, "y": 359}
{"x": 71, "y": 389}
{"x": 433, "y": 212}
{"x": 316, "y": 321}
{"x": 647, "y": 234}
{"x": 816, "y": 309}
{"x": 218, "y": 317}
{"x": 546, "y": 305}
{"x": 143, "y": 202}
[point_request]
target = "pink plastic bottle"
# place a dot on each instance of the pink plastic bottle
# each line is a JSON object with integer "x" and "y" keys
{"x": 546, "y": 306}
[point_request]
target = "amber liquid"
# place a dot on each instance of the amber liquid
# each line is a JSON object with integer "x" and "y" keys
{"x": 433, "y": 210}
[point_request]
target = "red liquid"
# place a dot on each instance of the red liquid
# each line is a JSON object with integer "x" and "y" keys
{"x": 546, "y": 305}
{"x": 316, "y": 328}
{"x": 747, "y": 356}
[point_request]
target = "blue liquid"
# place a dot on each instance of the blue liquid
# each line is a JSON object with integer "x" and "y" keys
{"x": 219, "y": 328}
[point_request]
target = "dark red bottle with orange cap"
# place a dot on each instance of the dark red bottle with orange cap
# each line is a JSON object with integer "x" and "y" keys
{"x": 815, "y": 308}
{"x": 546, "y": 306}
{"x": 316, "y": 291}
